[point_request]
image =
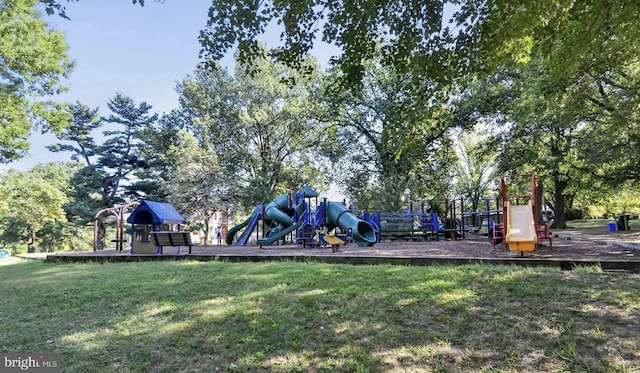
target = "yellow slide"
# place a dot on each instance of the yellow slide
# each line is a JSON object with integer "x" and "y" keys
{"x": 334, "y": 241}
{"x": 521, "y": 229}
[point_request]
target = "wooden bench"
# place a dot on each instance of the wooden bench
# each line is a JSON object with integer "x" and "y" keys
{"x": 178, "y": 239}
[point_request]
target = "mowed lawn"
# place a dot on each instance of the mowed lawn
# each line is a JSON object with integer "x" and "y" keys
{"x": 189, "y": 316}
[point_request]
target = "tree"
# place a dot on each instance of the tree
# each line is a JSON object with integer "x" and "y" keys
{"x": 159, "y": 138}
{"x": 612, "y": 140}
{"x": 86, "y": 182}
{"x": 592, "y": 47}
{"x": 196, "y": 184}
{"x": 32, "y": 210}
{"x": 104, "y": 181}
{"x": 391, "y": 139}
{"x": 78, "y": 135}
{"x": 550, "y": 126}
{"x": 475, "y": 164}
{"x": 259, "y": 123}
{"x": 542, "y": 120}
{"x": 588, "y": 56}
{"x": 418, "y": 38}
{"x": 121, "y": 152}
{"x": 33, "y": 59}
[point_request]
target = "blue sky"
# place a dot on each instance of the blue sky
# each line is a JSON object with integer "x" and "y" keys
{"x": 138, "y": 51}
{"x": 141, "y": 52}
{"x": 120, "y": 47}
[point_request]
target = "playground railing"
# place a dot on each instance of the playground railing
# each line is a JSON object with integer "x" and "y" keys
{"x": 407, "y": 226}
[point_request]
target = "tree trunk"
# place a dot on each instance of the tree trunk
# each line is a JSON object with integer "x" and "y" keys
{"x": 538, "y": 199}
{"x": 102, "y": 232}
{"x": 31, "y": 243}
{"x": 52, "y": 246}
{"x": 206, "y": 229}
{"x": 559, "y": 220}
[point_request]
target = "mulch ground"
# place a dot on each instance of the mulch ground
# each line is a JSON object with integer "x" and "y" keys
{"x": 476, "y": 247}
{"x": 569, "y": 245}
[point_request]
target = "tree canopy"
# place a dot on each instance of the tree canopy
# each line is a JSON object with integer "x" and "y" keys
{"x": 557, "y": 79}
{"x": 33, "y": 205}
{"x": 414, "y": 32}
{"x": 389, "y": 139}
{"x": 196, "y": 184}
{"x": 33, "y": 60}
{"x": 260, "y": 122}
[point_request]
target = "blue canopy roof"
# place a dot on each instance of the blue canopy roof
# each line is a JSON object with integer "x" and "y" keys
{"x": 150, "y": 212}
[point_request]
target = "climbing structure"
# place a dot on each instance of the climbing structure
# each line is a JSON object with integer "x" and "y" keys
{"x": 292, "y": 215}
{"x": 521, "y": 230}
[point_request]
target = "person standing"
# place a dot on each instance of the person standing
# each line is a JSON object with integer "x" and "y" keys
{"x": 219, "y": 235}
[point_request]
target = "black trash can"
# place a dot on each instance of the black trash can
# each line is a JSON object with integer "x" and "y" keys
{"x": 622, "y": 222}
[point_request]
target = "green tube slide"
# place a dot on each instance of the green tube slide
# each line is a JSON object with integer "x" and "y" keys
{"x": 273, "y": 211}
{"x": 338, "y": 214}
{"x": 275, "y": 236}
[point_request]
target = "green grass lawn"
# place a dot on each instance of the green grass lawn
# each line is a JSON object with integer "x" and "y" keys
{"x": 602, "y": 224}
{"x": 187, "y": 316}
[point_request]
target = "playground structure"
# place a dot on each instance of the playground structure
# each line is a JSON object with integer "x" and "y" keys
{"x": 156, "y": 225}
{"x": 301, "y": 219}
{"x": 520, "y": 229}
{"x": 425, "y": 225}
{"x": 514, "y": 219}
{"x": 294, "y": 217}
{"x": 147, "y": 218}
{"x": 476, "y": 213}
